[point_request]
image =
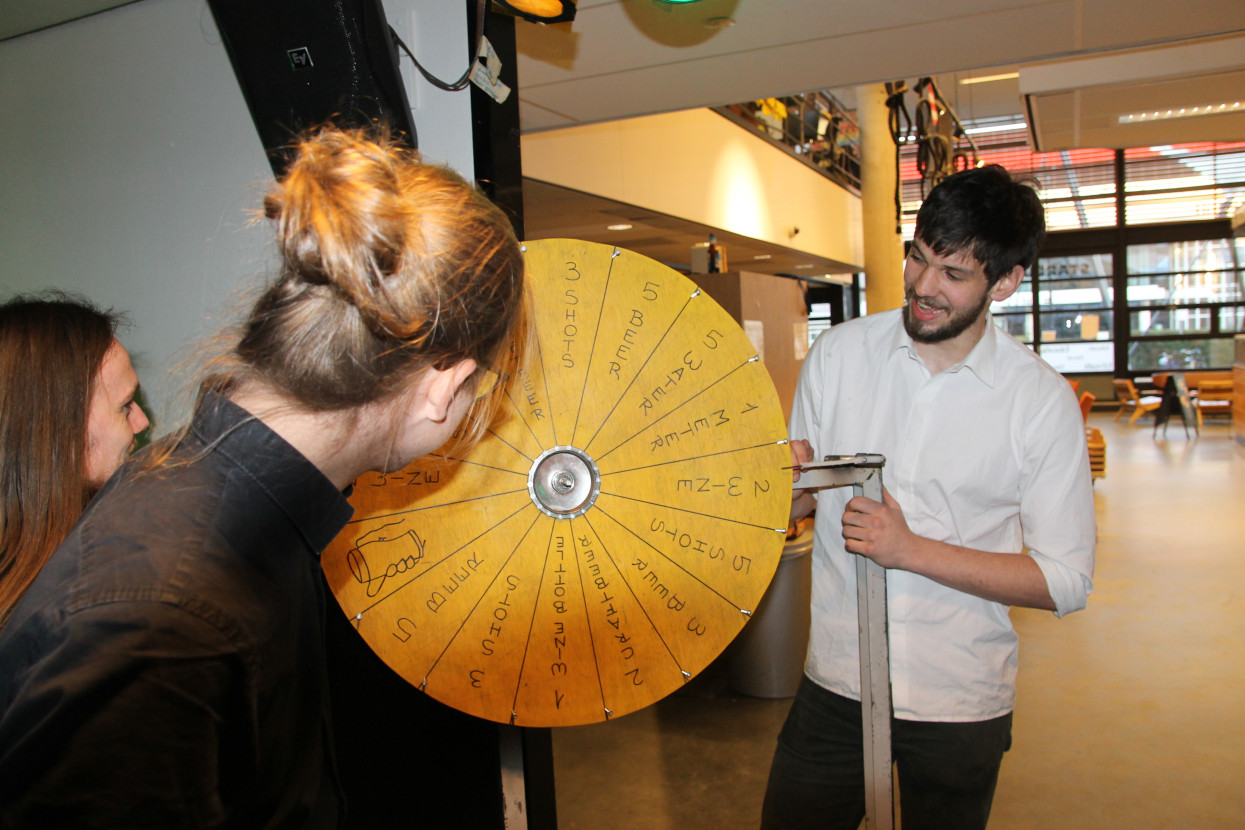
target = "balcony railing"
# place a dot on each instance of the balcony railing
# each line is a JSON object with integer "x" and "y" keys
{"x": 813, "y": 127}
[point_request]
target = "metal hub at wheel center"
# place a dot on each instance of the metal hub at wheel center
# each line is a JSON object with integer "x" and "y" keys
{"x": 564, "y": 482}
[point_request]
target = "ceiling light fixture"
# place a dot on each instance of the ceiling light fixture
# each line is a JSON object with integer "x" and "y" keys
{"x": 539, "y": 11}
{"x": 619, "y": 227}
{"x": 762, "y": 256}
{"x": 1182, "y": 112}
{"x": 996, "y": 128}
{"x": 985, "y": 79}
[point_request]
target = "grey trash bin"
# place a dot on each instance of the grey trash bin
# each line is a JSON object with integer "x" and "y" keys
{"x": 767, "y": 659}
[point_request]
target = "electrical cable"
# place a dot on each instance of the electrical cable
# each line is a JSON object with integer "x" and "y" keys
{"x": 461, "y": 83}
{"x": 931, "y": 153}
{"x": 938, "y": 155}
{"x": 895, "y": 106}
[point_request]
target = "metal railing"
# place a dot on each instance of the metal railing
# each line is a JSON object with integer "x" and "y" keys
{"x": 813, "y": 127}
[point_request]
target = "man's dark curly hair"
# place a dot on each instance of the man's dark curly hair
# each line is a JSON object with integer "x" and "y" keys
{"x": 984, "y": 212}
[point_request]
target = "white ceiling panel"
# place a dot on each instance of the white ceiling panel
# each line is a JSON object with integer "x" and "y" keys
{"x": 613, "y": 61}
{"x": 902, "y": 52}
{"x": 1085, "y": 102}
{"x": 1115, "y": 24}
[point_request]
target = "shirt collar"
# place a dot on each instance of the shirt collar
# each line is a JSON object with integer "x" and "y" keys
{"x": 316, "y": 507}
{"x": 982, "y": 361}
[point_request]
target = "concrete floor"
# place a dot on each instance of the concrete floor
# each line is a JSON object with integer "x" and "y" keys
{"x": 1130, "y": 714}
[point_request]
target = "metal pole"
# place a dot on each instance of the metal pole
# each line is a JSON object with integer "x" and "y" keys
{"x": 864, "y": 473}
{"x": 513, "y": 780}
{"x": 875, "y": 681}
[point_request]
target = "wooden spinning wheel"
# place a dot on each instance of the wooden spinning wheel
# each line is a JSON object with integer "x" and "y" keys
{"x": 614, "y": 529}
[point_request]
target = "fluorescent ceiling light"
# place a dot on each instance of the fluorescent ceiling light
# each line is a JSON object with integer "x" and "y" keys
{"x": 996, "y": 128}
{"x": 1181, "y": 112}
{"x": 618, "y": 227}
{"x": 985, "y": 79}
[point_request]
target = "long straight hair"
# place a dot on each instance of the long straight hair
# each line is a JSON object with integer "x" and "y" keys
{"x": 51, "y": 348}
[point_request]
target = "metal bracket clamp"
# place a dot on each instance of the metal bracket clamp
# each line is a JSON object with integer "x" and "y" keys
{"x": 863, "y": 472}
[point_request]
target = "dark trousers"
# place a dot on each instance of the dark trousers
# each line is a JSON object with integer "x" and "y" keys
{"x": 946, "y": 772}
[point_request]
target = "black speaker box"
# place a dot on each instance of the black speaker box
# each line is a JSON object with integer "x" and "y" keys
{"x": 304, "y": 63}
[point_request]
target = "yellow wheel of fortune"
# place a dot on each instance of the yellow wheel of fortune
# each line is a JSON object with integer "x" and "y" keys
{"x": 611, "y": 533}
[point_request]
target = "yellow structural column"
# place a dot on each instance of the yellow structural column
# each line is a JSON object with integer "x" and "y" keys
{"x": 883, "y": 241}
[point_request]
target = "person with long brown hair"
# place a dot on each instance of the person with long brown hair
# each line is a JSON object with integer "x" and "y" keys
{"x": 168, "y": 667}
{"x": 68, "y": 419}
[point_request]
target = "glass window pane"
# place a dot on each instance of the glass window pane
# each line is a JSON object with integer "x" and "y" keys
{"x": 1076, "y": 294}
{"x": 1079, "y": 357}
{"x": 1076, "y": 325}
{"x": 1075, "y": 283}
{"x": 1183, "y": 182}
{"x": 1019, "y": 326}
{"x": 1065, "y": 267}
{"x": 1185, "y": 289}
{"x": 1182, "y": 274}
{"x": 1082, "y": 213}
{"x": 1174, "y": 320}
{"x": 1158, "y": 355}
{"x": 1145, "y": 291}
{"x": 1232, "y": 319}
{"x": 1183, "y": 206}
{"x": 1181, "y": 257}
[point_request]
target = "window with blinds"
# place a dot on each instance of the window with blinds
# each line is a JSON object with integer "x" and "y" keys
{"x": 1176, "y": 183}
{"x": 1077, "y": 186}
{"x": 1183, "y": 182}
{"x": 1183, "y": 299}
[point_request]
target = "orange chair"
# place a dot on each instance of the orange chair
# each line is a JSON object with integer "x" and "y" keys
{"x": 1087, "y": 403}
{"x": 1097, "y": 452}
{"x": 1126, "y": 393}
{"x": 1213, "y": 396}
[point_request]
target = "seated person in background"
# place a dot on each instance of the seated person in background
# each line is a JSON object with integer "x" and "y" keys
{"x": 167, "y": 668}
{"x": 67, "y": 421}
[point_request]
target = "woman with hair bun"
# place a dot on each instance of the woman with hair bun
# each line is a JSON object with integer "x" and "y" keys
{"x": 167, "y": 667}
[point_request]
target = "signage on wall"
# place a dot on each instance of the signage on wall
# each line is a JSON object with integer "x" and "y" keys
{"x": 1097, "y": 356}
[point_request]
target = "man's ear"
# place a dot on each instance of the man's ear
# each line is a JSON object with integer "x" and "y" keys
{"x": 439, "y": 387}
{"x": 1007, "y": 284}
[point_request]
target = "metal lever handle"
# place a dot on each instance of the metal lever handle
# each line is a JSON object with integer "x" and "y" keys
{"x": 863, "y": 472}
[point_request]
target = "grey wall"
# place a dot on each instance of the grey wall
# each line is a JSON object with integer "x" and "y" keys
{"x": 130, "y": 168}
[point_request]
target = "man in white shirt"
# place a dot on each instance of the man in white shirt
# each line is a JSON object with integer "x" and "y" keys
{"x": 988, "y": 504}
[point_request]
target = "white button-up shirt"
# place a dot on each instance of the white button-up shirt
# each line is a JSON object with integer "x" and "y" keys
{"x": 989, "y": 454}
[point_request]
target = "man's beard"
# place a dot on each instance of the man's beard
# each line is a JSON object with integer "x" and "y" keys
{"x": 953, "y": 326}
